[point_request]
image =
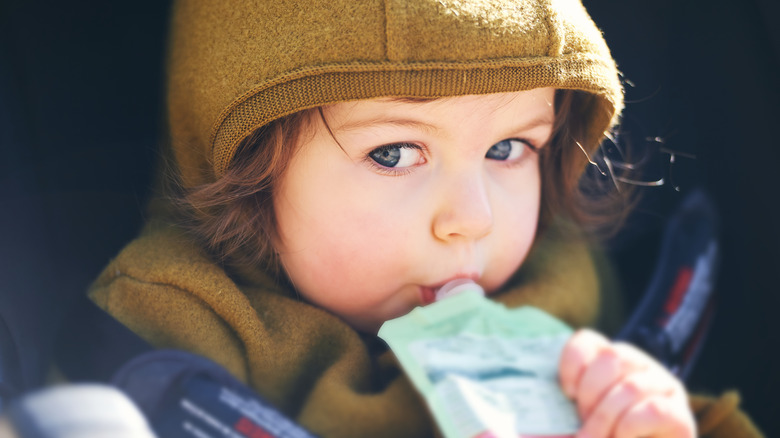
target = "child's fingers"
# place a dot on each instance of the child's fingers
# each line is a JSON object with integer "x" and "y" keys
{"x": 622, "y": 392}
{"x": 576, "y": 357}
{"x": 590, "y": 365}
{"x": 611, "y": 364}
{"x": 655, "y": 417}
{"x": 621, "y": 397}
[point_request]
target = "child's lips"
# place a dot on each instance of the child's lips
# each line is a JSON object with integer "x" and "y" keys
{"x": 428, "y": 295}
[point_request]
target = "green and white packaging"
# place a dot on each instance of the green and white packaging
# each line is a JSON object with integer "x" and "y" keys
{"x": 485, "y": 370}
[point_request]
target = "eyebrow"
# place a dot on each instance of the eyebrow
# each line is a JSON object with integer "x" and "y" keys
{"x": 375, "y": 121}
{"x": 536, "y": 122}
{"x": 541, "y": 120}
{"x": 413, "y": 99}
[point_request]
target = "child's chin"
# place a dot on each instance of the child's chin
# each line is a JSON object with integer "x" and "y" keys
{"x": 397, "y": 306}
{"x": 363, "y": 326}
{"x": 371, "y": 327}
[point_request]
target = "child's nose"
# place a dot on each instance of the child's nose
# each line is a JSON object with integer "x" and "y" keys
{"x": 464, "y": 210}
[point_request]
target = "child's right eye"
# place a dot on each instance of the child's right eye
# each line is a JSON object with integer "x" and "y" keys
{"x": 397, "y": 156}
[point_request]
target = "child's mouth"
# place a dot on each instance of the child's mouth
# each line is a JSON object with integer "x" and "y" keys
{"x": 457, "y": 286}
{"x": 452, "y": 287}
{"x": 428, "y": 295}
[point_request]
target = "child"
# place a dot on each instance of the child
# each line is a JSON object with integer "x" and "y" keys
{"x": 339, "y": 161}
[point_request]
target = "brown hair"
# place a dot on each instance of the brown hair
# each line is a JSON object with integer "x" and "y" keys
{"x": 573, "y": 185}
{"x": 233, "y": 218}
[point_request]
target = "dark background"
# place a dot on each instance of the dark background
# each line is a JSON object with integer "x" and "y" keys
{"x": 705, "y": 79}
{"x": 80, "y": 93}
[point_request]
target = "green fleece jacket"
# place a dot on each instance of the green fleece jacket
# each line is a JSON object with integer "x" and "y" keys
{"x": 309, "y": 363}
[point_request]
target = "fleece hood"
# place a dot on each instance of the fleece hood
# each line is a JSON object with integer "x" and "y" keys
{"x": 235, "y": 65}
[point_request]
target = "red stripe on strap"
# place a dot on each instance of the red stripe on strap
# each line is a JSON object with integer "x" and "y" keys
{"x": 678, "y": 290}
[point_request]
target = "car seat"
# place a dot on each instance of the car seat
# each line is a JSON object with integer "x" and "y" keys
{"x": 79, "y": 87}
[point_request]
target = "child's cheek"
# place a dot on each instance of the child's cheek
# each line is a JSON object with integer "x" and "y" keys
{"x": 339, "y": 259}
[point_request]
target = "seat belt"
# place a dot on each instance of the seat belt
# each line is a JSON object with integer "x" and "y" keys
{"x": 182, "y": 395}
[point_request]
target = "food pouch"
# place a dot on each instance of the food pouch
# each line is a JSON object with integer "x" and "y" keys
{"x": 483, "y": 369}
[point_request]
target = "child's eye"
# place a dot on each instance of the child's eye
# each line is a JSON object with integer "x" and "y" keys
{"x": 397, "y": 156}
{"x": 507, "y": 150}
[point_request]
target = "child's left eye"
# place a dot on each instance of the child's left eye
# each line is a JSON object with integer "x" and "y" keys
{"x": 507, "y": 150}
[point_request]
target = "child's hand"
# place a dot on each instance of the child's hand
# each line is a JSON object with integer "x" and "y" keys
{"x": 621, "y": 392}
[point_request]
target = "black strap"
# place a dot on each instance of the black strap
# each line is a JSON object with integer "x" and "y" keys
{"x": 673, "y": 318}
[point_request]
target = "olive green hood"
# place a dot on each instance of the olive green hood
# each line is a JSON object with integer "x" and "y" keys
{"x": 235, "y": 65}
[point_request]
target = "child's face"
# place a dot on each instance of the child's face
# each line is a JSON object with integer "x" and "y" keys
{"x": 414, "y": 194}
